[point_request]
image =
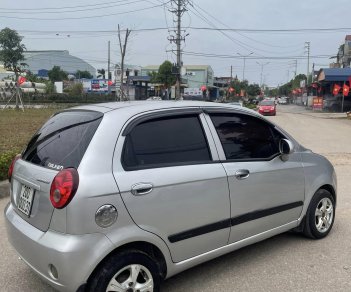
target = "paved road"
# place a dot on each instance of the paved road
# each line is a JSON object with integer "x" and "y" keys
{"x": 287, "y": 262}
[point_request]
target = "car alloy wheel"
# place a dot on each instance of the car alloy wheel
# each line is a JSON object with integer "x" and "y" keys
{"x": 320, "y": 215}
{"x": 324, "y": 215}
{"x": 132, "y": 278}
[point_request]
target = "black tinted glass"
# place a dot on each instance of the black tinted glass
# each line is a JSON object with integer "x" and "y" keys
{"x": 245, "y": 137}
{"x": 165, "y": 141}
{"x": 62, "y": 141}
{"x": 267, "y": 102}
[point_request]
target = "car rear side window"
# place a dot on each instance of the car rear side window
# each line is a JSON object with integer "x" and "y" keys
{"x": 175, "y": 140}
{"x": 245, "y": 137}
{"x": 62, "y": 141}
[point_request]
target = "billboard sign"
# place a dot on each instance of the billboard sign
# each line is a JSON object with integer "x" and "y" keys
{"x": 99, "y": 85}
{"x": 192, "y": 91}
{"x": 317, "y": 103}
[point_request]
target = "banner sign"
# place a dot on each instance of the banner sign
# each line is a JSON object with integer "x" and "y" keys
{"x": 317, "y": 103}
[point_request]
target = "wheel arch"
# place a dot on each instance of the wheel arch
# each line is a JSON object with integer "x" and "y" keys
{"x": 148, "y": 248}
{"x": 330, "y": 189}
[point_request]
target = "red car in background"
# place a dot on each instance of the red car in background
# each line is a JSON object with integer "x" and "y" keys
{"x": 267, "y": 107}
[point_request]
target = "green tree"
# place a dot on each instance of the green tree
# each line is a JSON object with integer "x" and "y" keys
{"x": 31, "y": 77}
{"x": 76, "y": 89}
{"x": 83, "y": 74}
{"x": 101, "y": 73}
{"x": 164, "y": 75}
{"x": 11, "y": 53}
{"x": 253, "y": 90}
{"x": 57, "y": 74}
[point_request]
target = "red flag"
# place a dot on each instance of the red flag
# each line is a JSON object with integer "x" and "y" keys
{"x": 231, "y": 89}
{"x": 336, "y": 89}
{"x": 109, "y": 83}
{"x": 21, "y": 80}
{"x": 203, "y": 87}
{"x": 346, "y": 90}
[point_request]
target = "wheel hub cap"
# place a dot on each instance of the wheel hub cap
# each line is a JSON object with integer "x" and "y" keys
{"x": 132, "y": 278}
{"x": 324, "y": 215}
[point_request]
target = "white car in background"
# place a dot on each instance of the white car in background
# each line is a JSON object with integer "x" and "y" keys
{"x": 282, "y": 100}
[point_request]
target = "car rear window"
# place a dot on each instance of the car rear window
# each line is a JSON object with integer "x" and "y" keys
{"x": 62, "y": 141}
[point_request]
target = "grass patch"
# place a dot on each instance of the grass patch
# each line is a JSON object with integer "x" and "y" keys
{"x": 16, "y": 128}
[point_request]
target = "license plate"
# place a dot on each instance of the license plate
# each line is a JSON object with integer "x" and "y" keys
{"x": 266, "y": 111}
{"x": 25, "y": 200}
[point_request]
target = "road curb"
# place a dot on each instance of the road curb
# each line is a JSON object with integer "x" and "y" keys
{"x": 4, "y": 189}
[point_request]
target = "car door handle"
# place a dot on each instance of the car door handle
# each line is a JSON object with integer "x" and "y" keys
{"x": 242, "y": 173}
{"x": 140, "y": 189}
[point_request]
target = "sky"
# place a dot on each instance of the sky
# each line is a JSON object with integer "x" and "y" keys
{"x": 272, "y": 33}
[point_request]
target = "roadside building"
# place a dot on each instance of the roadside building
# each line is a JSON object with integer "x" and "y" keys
{"x": 40, "y": 62}
{"x": 193, "y": 77}
{"x": 331, "y": 85}
{"x": 343, "y": 57}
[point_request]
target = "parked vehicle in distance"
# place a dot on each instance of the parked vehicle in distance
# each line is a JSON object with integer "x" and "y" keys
{"x": 112, "y": 197}
{"x": 282, "y": 100}
{"x": 267, "y": 107}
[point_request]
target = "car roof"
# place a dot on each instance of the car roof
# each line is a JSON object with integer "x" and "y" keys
{"x": 148, "y": 105}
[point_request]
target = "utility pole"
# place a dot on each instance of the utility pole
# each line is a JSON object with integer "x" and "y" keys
{"x": 244, "y": 57}
{"x": 123, "y": 47}
{"x": 262, "y": 65}
{"x": 231, "y": 73}
{"x": 178, "y": 11}
{"x": 108, "y": 61}
{"x": 295, "y": 61}
{"x": 308, "y": 47}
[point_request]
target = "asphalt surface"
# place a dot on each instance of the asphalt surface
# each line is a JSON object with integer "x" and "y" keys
{"x": 286, "y": 262}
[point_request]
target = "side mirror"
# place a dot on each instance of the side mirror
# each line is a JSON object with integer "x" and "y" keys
{"x": 286, "y": 147}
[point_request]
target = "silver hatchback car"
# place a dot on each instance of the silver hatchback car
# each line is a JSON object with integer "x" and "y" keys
{"x": 119, "y": 196}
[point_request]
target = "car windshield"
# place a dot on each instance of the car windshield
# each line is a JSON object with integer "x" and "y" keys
{"x": 267, "y": 102}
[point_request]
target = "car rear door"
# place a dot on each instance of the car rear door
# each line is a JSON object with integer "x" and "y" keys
{"x": 167, "y": 169}
{"x": 266, "y": 192}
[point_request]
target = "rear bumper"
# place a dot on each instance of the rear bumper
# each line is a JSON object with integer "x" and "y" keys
{"x": 74, "y": 256}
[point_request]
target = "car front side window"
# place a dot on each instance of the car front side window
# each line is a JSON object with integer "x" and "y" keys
{"x": 245, "y": 137}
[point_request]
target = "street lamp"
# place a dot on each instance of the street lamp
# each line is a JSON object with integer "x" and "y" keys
{"x": 262, "y": 64}
{"x": 244, "y": 57}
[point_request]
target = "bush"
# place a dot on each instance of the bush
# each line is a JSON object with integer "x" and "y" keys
{"x": 5, "y": 161}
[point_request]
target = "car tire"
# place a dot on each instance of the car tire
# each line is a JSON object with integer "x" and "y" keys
{"x": 320, "y": 215}
{"x": 129, "y": 271}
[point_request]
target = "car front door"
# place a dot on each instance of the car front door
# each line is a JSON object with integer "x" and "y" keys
{"x": 266, "y": 192}
{"x": 172, "y": 182}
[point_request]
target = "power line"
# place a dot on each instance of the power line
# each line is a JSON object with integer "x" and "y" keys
{"x": 255, "y": 40}
{"x": 76, "y": 10}
{"x": 326, "y": 30}
{"x": 83, "y": 17}
{"x": 61, "y": 7}
{"x": 224, "y": 56}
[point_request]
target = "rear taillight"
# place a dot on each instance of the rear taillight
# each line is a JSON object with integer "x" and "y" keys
{"x": 9, "y": 174}
{"x": 64, "y": 187}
